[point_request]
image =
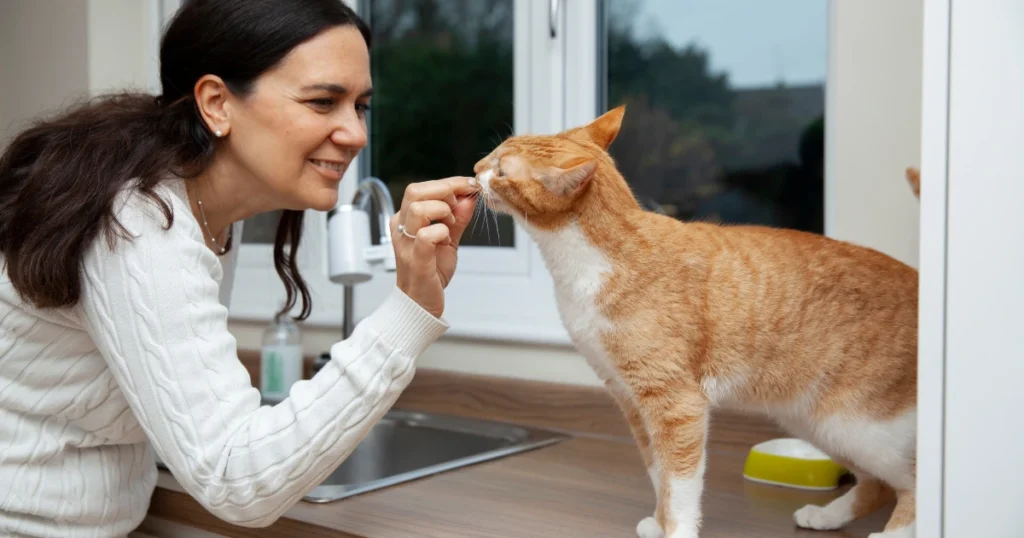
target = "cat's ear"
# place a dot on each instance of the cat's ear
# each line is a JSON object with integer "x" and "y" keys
{"x": 604, "y": 129}
{"x": 563, "y": 181}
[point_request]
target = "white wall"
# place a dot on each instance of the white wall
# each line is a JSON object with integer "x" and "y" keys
{"x": 874, "y": 132}
{"x": 51, "y": 57}
{"x": 113, "y": 63}
{"x": 43, "y": 60}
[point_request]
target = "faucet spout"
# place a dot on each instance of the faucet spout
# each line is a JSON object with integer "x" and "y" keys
{"x": 371, "y": 189}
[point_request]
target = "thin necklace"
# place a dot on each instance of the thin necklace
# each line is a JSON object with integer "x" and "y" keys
{"x": 207, "y": 224}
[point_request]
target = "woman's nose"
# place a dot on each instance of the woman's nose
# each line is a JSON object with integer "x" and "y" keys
{"x": 350, "y": 133}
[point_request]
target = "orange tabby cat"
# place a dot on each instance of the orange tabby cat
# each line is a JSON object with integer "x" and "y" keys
{"x": 678, "y": 318}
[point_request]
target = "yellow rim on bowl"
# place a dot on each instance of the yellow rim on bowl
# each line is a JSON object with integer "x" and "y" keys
{"x": 792, "y": 463}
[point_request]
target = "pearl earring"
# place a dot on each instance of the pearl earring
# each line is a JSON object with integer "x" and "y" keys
{"x": 218, "y": 134}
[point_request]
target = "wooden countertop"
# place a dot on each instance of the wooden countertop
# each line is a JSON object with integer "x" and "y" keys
{"x": 593, "y": 485}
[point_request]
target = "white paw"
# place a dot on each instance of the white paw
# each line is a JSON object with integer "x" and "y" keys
{"x": 649, "y": 528}
{"x": 818, "y": 518}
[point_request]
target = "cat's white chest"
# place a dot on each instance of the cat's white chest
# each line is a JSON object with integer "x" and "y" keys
{"x": 579, "y": 271}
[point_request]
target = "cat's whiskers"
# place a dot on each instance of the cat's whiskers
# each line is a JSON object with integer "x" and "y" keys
{"x": 497, "y": 230}
{"x": 487, "y": 222}
{"x": 487, "y": 198}
{"x": 479, "y": 210}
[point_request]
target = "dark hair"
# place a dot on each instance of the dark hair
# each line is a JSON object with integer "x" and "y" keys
{"x": 59, "y": 178}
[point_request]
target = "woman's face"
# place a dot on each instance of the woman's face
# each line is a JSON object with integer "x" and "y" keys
{"x": 304, "y": 122}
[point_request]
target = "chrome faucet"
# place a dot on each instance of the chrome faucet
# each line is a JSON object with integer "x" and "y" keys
{"x": 349, "y": 245}
{"x": 372, "y": 189}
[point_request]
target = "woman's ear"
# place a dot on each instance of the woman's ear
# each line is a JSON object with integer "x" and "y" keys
{"x": 564, "y": 181}
{"x": 211, "y": 96}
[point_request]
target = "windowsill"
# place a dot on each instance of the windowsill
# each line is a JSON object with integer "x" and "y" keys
{"x": 541, "y": 335}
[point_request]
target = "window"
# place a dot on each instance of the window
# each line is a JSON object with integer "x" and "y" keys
{"x": 724, "y": 120}
{"x": 725, "y": 107}
{"x": 444, "y": 75}
{"x": 453, "y": 79}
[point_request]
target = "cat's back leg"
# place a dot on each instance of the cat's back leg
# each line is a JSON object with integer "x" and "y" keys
{"x": 901, "y": 523}
{"x": 866, "y": 496}
{"x": 877, "y": 451}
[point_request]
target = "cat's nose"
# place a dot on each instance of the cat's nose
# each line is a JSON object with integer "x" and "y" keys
{"x": 483, "y": 177}
{"x": 483, "y": 164}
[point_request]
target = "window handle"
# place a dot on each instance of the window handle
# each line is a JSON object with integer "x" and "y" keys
{"x": 553, "y": 16}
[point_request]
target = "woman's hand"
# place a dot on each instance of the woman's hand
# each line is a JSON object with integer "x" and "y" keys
{"x": 426, "y": 261}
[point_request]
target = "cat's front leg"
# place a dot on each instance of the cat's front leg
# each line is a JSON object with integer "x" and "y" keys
{"x": 648, "y": 527}
{"x": 678, "y": 436}
{"x": 624, "y": 400}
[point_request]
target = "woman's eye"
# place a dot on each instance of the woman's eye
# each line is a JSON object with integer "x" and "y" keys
{"x": 322, "y": 103}
{"x": 362, "y": 108}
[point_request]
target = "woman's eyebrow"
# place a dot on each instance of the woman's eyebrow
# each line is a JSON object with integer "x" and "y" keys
{"x": 333, "y": 88}
{"x": 325, "y": 86}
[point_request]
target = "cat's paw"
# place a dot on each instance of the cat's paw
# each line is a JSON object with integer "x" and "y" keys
{"x": 819, "y": 518}
{"x": 649, "y": 528}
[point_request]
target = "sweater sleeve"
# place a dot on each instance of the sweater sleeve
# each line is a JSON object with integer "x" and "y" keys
{"x": 151, "y": 306}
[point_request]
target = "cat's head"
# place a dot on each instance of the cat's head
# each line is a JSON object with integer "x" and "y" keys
{"x": 543, "y": 179}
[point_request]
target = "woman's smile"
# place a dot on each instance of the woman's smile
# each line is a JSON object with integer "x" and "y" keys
{"x": 332, "y": 170}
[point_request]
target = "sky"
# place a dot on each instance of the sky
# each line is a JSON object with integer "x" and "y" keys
{"x": 759, "y": 42}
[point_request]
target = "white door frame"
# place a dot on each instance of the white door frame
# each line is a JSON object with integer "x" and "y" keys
{"x": 932, "y": 287}
{"x": 971, "y": 353}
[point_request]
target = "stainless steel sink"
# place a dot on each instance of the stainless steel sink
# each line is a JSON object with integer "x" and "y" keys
{"x": 406, "y": 446}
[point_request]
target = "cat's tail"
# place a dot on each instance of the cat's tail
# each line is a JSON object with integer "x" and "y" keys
{"x": 914, "y": 178}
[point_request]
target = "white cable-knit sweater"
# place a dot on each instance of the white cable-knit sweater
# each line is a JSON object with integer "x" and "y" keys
{"x": 145, "y": 361}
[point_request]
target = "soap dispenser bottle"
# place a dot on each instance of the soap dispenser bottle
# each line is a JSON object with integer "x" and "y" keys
{"x": 280, "y": 358}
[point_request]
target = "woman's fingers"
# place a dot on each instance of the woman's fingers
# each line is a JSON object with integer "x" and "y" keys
{"x": 432, "y": 214}
{"x": 429, "y": 237}
{"x": 447, "y": 190}
{"x": 422, "y": 213}
{"x": 463, "y": 214}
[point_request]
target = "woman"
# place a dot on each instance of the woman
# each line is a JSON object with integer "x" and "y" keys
{"x": 119, "y": 224}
